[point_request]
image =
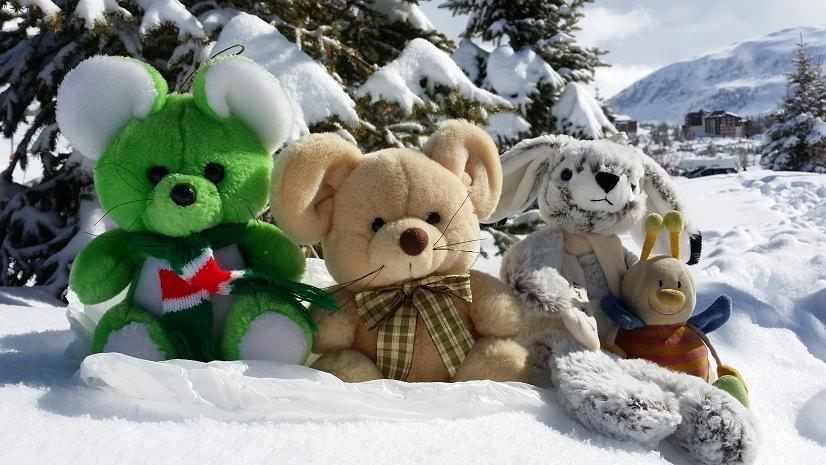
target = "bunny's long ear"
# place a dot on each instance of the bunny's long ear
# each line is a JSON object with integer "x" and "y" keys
{"x": 103, "y": 93}
{"x": 235, "y": 86}
{"x": 662, "y": 198}
{"x": 523, "y": 167}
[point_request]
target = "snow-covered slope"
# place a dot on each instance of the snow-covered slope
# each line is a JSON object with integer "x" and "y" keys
{"x": 765, "y": 242}
{"x": 746, "y": 78}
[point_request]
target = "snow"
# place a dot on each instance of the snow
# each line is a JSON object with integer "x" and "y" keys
{"x": 402, "y": 12}
{"x": 46, "y": 6}
{"x": 93, "y": 12}
{"x": 516, "y": 75}
{"x": 315, "y": 94}
{"x": 402, "y": 81}
{"x": 747, "y": 78}
{"x": 469, "y": 57}
{"x": 159, "y": 12}
{"x": 577, "y": 113}
{"x": 507, "y": 126}
{"x": 764, "y": 242}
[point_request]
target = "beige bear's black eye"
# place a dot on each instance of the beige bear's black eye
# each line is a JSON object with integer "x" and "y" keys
{"x": 433, "y": 218}
{"x": 214, "y": 172}
{"x": 377, "y": 224}
{"x": 566, "y": 174}
{"x": 156, "y": 173}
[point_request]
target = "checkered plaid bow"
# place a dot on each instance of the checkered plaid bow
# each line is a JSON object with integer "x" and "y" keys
{"x": 394, "y": 310}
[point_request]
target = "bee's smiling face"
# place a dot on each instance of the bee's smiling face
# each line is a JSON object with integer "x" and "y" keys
{"x": 660, "y": 291}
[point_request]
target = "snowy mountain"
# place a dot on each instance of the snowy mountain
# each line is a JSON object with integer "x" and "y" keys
{"x": 765, "y": 236}
{"x": 747, "y": 78}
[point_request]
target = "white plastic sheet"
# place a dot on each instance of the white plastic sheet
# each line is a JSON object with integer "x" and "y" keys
{"x": 257, "y": 390}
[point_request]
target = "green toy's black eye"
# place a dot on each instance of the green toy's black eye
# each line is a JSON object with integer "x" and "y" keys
{"x": 156, "y": 173}
{"x": 214, "y": 172}
{"x": 377, "y": 224}
{"x": 566, "y": 174}
{"x": 661, "y": 283}
{"x": 433, "y": 218}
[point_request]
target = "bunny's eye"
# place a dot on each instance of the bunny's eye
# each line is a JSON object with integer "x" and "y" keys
{"x": 633, "y": 188}
{"x": 679, "y": 284}
{"x": 661, "y": 283}
{"x": 566, "y": 174}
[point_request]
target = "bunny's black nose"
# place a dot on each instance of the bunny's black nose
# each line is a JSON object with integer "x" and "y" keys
{"x": 607, "y": 181}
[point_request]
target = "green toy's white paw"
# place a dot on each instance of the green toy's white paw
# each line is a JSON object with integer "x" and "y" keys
{"x": 261, "y": 326}
{"x": 134, "y": 340}
{"x": 275, "y": 337}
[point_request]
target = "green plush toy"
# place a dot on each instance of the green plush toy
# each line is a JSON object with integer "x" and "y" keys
{"x": 184, "y": 175}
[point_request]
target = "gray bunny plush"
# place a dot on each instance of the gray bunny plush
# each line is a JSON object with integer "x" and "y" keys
{"x": 589, "y": 192}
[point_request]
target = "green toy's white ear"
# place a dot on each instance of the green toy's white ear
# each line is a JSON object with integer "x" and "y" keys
{"x": 234, "y": 86}
{"x": 101, "y": 95}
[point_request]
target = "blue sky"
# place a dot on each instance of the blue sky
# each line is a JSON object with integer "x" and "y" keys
{"x": 643, "y": 35}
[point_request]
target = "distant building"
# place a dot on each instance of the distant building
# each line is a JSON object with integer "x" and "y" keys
{"x": 694, "y": 126}
{"x": 625, "y": 124}
{"x": 718, "y": 124}
{"x": 725, "y": 124}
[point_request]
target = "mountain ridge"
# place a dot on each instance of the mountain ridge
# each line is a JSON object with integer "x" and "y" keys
{"x": 748, "y": 78}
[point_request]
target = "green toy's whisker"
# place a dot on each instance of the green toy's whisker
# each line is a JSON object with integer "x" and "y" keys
{"x": 242, "y": 201}
{"x": 120, "y": 205}
{"x": 145, "y": 188}
{"x": 137, "y": 217}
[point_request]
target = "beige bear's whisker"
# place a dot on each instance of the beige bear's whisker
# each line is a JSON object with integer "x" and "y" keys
{"x": 363, "y": 288}
{"x": 451, "y": 219}
{"x": 463, "y": 242}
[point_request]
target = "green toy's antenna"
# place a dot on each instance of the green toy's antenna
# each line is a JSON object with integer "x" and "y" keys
{"x": 219, "y": 53}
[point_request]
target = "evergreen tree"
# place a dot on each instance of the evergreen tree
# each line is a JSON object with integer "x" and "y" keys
{"x": 797, "y": 141}
{"x": 546, "y": 28}
{"x": 41, "y": 227}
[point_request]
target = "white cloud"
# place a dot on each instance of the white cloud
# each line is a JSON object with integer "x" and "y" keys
{"x": 616, "y": 78}
{"x": 602, "y": 25}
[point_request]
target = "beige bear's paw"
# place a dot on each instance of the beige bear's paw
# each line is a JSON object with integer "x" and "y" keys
{"x": 349, "y": 366}
{"x": 496, "y": 360}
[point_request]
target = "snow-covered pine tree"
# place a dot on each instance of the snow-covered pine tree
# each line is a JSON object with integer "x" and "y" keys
{"x": 546, "y": 26}
{"x": 797, "y": 141}
{"x": 541, "y": 58}
{"x": 345, "y": 42}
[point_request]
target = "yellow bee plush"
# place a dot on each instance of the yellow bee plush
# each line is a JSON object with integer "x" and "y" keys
{"x": 655, "y": 314}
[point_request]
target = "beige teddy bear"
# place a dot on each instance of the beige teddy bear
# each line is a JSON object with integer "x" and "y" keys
{"x": 400, "y": 232}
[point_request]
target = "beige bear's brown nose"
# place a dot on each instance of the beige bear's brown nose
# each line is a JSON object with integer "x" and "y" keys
{"x": 413, "y": 241}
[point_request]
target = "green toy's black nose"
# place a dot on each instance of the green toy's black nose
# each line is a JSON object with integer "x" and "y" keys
{"x": 183, "y": 194}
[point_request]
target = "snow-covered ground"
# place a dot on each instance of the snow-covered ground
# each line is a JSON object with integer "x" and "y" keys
{"x": 765, "y": 246}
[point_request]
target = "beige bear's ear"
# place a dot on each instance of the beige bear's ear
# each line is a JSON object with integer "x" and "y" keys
{"x": 306, "y": 176}
{"x": 471, "y": 154}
